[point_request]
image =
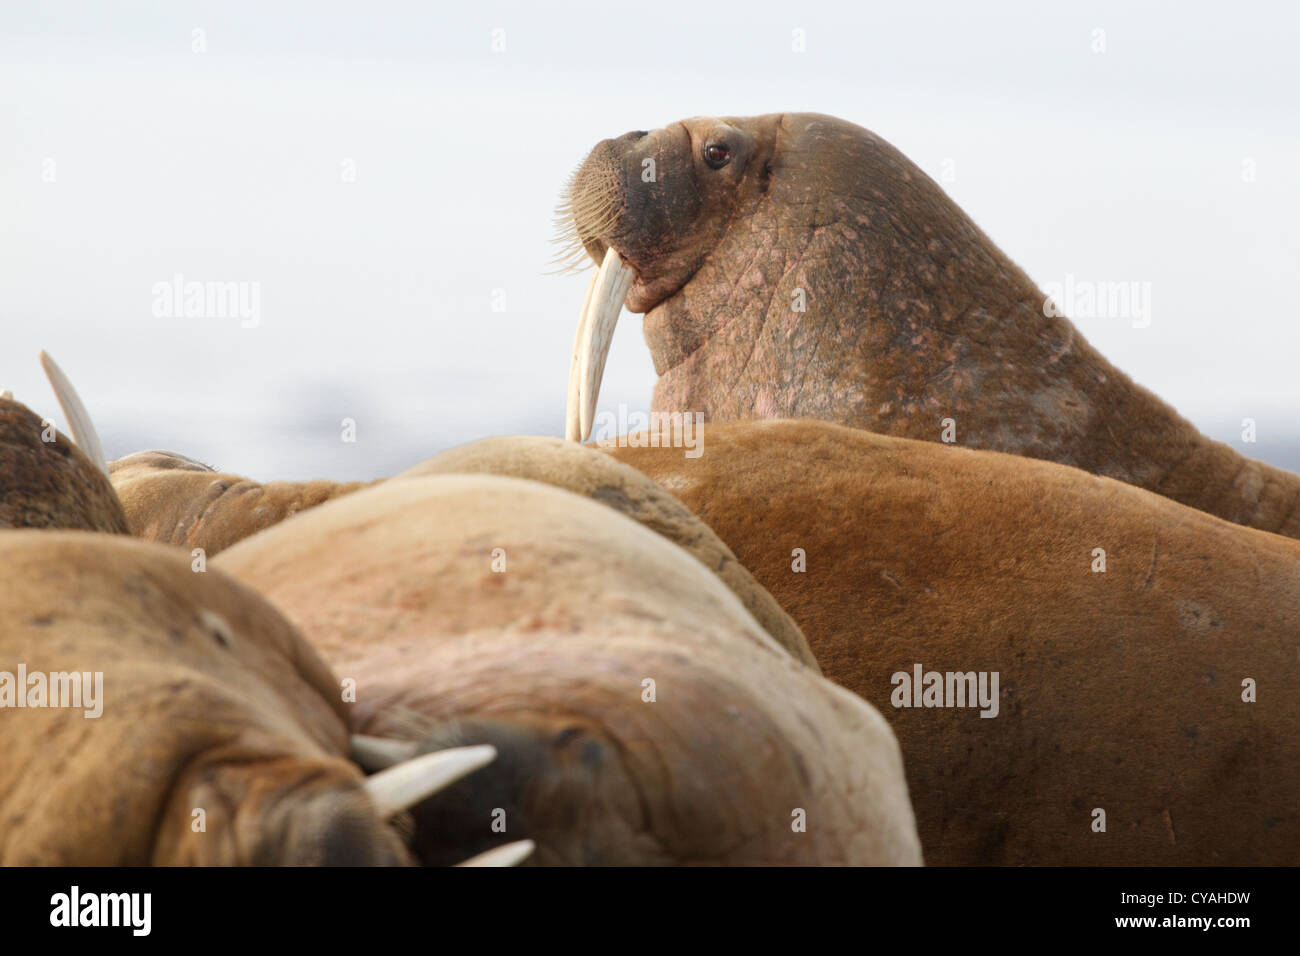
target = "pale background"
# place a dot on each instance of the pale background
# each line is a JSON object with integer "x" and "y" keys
{"x": 225, "y": 165}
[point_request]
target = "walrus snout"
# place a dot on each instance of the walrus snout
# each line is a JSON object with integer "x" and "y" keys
{"x": 593, "y": 202}
{"x": 611, "y": 170}
{"x": 637, "y": 193}
{"x": 280, "y": 813}
{"x": 544, "y": 771}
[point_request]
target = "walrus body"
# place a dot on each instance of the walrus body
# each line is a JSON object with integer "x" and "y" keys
{"x": 586, "y": 472}
{"x": 221, "y": 737}
{"x": 798, "y": 266}
{"x": 641, "y": 713}
{"x": 1127, "y": 630}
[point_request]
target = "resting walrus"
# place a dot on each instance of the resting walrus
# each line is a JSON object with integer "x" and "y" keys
{"x": 642, "y": 714}
{"x": 1124, "y": 628}
{"x": 798, "y": 266}
{"x": 157, "y": 716}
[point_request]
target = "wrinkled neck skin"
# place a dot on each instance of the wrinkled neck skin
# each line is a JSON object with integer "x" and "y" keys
{"x": 910, "y": 316}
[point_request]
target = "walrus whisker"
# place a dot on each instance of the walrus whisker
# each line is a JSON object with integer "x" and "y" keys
{"x": 570, "y": 263}
{"x": 572, "y": 256}
{"x": 587, "y": 223}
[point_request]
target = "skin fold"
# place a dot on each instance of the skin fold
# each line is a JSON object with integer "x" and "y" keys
{"x": 819, "y": 273}
{"x": 210, "y": 701}
{"x": 473, "y": 608}
{"x": 1120, "y": 690}
{"x": 172, "y": 499}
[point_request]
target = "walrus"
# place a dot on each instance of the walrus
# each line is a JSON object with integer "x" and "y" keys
{"x": 158, "y": 716}
{"x": 641, "y": 713}
{"x": 795, "y": 265}
{"x": 1148, "y": 652}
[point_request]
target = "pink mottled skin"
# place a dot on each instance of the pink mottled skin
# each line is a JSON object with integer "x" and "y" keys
{"x": 820, "y": 274}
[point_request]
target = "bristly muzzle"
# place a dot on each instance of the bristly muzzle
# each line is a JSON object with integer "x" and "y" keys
{"x": 589, "y": 207}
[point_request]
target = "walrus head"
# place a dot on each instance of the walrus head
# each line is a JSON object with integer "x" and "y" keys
{"x": 663, "y": 200}
{"x": 793, "y": 265}
{"x": 170, "y": 692}
{"x": 650, "y": 208}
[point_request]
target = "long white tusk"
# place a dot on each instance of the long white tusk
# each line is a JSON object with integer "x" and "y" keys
{"x": 572, "y": 418}
{"x": 599, "y": 319}
{"x": 79, "y": 423}
{"x": 379, "y": 753}
{"x": 512, "y": 854}
{"x": 408, "y": 783}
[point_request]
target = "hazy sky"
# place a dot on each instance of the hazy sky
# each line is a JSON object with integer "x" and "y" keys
{"x": 378, "y": 170}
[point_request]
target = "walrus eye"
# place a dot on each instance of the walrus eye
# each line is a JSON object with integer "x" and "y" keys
{"x": 717, "y": 155}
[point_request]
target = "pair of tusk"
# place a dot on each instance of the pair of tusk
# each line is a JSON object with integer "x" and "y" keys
{"x": 600, "y": 309}
{"x": 406, "y": 780}
{"x": 79, "y": 423}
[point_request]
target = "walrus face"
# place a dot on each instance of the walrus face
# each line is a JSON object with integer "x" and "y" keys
{"x": 650, "y": 209}
{"x": 662, "y": 200}
{"x": 149, "y": 698}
